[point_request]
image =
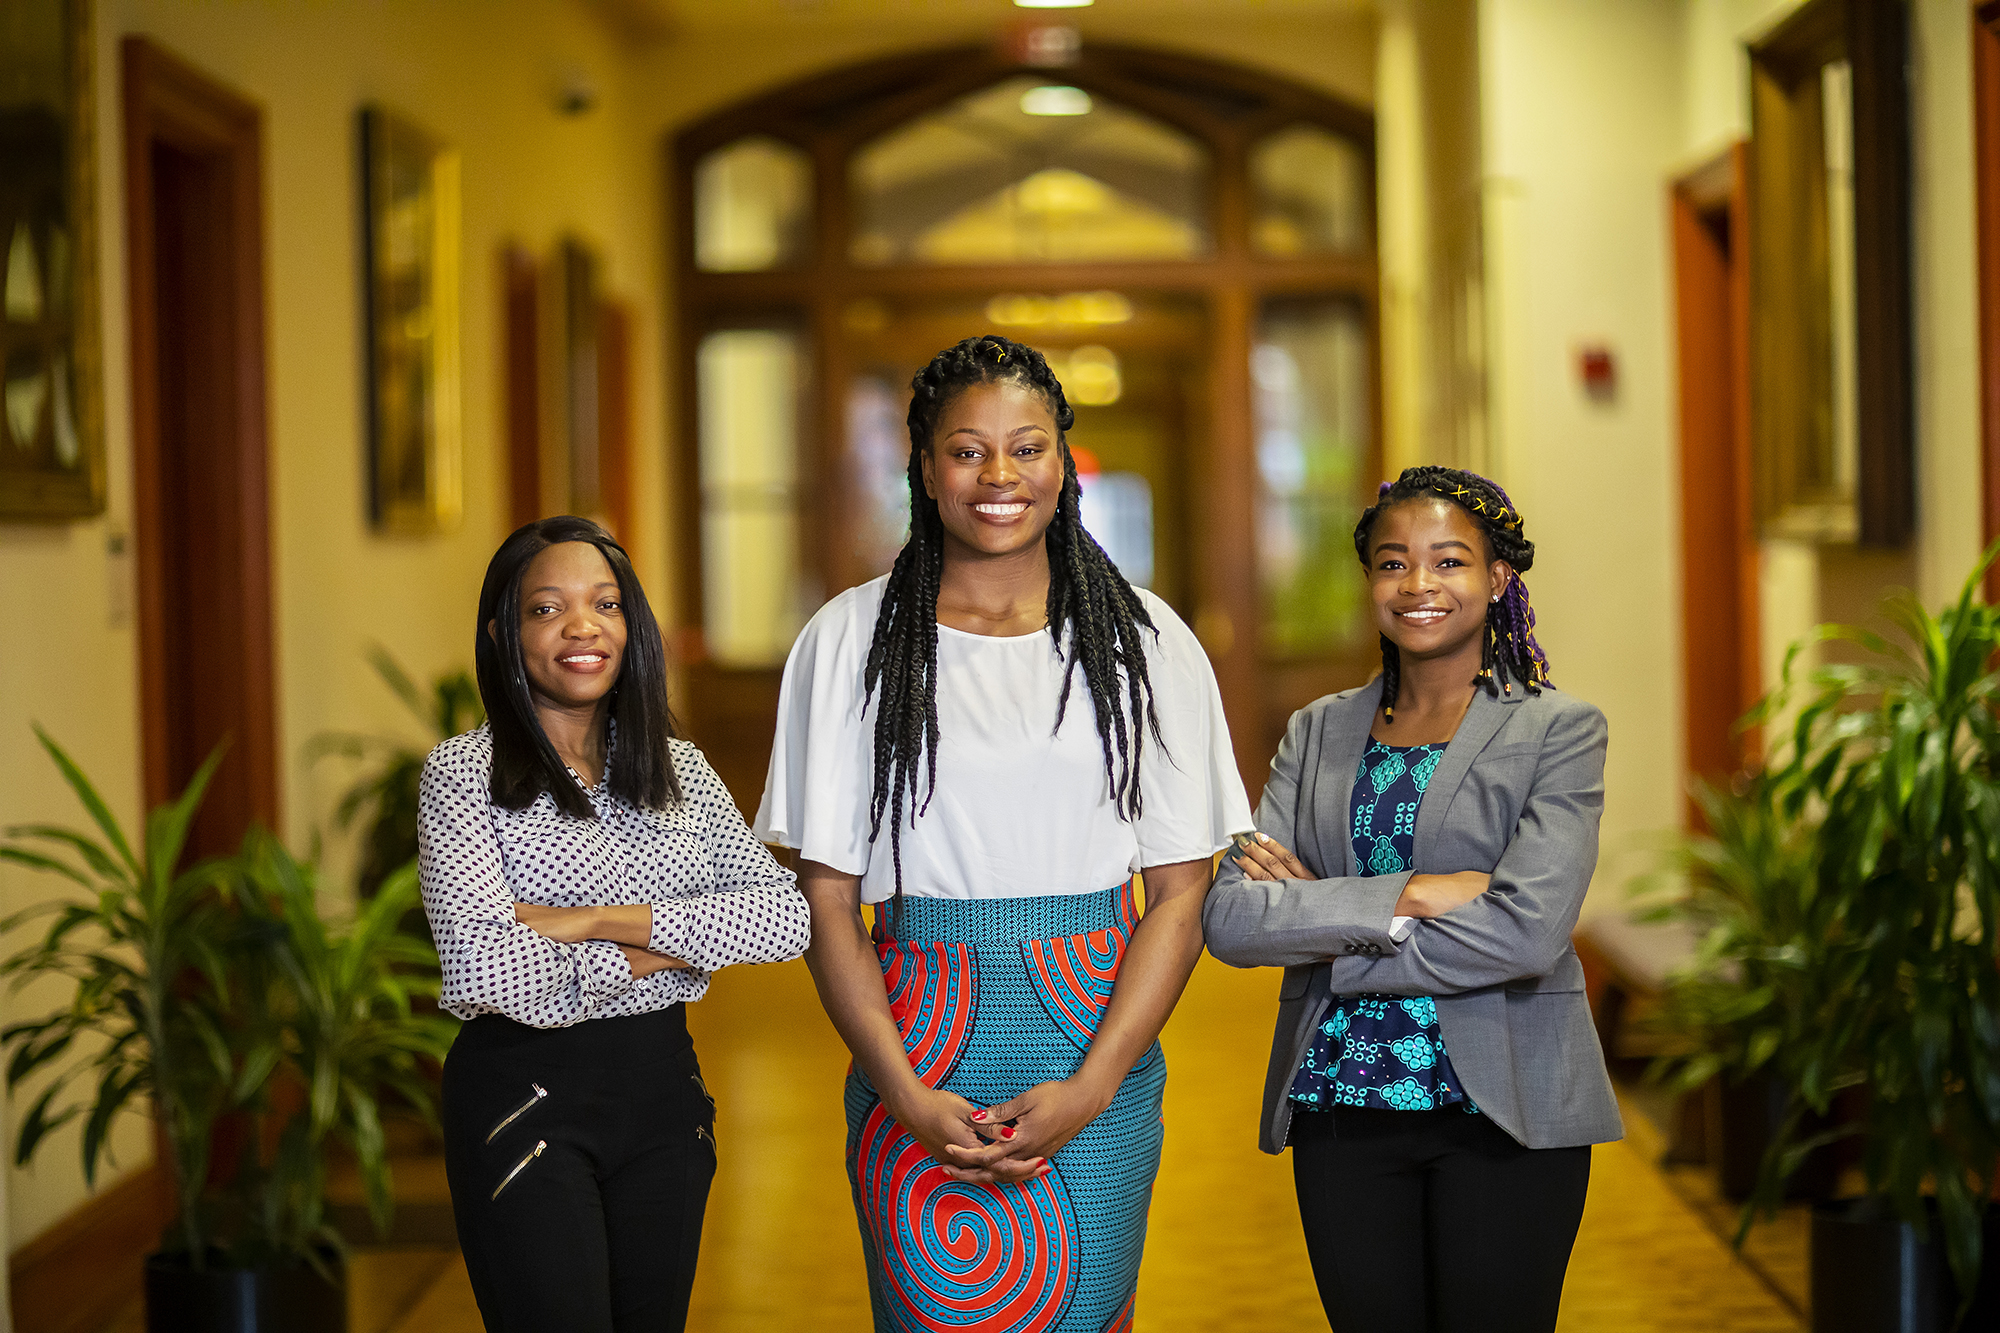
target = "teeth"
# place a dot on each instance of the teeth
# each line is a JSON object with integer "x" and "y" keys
{"x": 583, "y": 657}
{"x": 1007, "y": 510}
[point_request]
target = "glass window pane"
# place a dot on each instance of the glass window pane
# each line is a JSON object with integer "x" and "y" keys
{"x": 1312, "y": 193}
{"x": 1311, "y": 375}
{"x": 752, "y": 598}
{"x": 1025, "y": 172}
{"x": 752, "y": 206}
{"x": 878, "y": 443}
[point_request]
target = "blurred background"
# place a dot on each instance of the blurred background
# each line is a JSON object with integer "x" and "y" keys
{"x": 309, "y": 302}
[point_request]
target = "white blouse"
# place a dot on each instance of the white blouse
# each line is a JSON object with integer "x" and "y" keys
{"x": 1020, "y": 808}
{"x": 717, "y": 894}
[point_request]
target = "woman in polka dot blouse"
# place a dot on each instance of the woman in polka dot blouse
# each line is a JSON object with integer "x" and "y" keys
{"x": 584, "y": 873}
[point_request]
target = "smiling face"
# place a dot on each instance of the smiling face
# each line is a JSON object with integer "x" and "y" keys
{"x": 572, "y": 626}
{"x": 1431, "y": 578}
{"x": 995, "y": 469}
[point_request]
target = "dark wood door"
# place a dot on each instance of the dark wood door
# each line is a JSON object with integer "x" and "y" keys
{"x": 194, "y": 224}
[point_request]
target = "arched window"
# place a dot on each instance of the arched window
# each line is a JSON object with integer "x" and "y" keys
{"x": 1191, "y": 243}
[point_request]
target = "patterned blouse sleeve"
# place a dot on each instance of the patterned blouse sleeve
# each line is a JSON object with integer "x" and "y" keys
{"x": 750, "y": 912}
{"x": 491, "y": 960}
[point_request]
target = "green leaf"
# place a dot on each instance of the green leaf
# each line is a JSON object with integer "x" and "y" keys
{"x": 100, "y": 813}
{"x": 38, "y": 1124}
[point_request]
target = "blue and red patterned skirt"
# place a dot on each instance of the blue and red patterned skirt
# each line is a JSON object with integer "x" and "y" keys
{"x": 993, "y": 997}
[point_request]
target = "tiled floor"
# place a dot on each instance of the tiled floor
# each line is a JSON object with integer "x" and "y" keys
{"x": 1224, "y": 1250}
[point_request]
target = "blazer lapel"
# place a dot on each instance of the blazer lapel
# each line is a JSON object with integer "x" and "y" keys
{"x": 1341, "y": 746}
{"x": 1483, "y": 719}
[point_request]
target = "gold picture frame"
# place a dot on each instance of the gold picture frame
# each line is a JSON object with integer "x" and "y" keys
{"x": 411, "y": 267}
{"x": 51, "y": 350}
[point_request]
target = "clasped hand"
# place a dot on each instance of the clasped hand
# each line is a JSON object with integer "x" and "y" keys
{"x": 1002, "y": 1144}
{"x": 1264, "y": 858}
{"x": 619, "y": 926}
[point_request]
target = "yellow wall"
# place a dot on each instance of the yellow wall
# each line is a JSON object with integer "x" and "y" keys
{"x": 484, "y": 77}
{"x": 1589, "y": 111}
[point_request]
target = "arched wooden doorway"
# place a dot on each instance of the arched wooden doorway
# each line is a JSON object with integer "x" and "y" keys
{"x": 1193, "y": 244}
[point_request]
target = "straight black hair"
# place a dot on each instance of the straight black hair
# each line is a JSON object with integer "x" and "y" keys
{"x": 524, "y": 763}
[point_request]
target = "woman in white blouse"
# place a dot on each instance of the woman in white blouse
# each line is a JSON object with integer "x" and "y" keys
{"x": 1027, "y": 729}
{"x": 584, "y": 873}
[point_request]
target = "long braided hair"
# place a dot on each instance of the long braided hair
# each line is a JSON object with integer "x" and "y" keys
{"x": 1086, "y": 593}
{"x": 1510, "y": 652}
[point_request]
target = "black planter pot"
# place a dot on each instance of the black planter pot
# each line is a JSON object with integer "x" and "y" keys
{"x": 1870, "y": 1273}
{"x": 1751, "y": 1113}
{"x": 240, "y": 1300}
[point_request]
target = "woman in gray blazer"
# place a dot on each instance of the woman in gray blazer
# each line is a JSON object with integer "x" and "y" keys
{"x": 1425, "y": 843}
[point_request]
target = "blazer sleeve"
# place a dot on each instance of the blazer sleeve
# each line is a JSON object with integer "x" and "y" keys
{"x": 1520, "y": 927}
{"x": 1283, "y": 923}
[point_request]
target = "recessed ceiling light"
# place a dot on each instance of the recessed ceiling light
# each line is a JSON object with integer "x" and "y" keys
{"x": 1055, "y": 99}
{"x": 1053, "y": 4}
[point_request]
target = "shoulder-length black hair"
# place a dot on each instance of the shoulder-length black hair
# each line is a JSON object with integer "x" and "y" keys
{"x": 524, "y": 763}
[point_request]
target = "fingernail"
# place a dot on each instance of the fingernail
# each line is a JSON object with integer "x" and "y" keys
{"x": 1006, "y": 1131}
{"x": 979, "y": 1115}
{"x": 1261, "y": 837}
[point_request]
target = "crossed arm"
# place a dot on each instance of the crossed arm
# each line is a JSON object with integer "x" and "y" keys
{"x": 1014, "y": 1140}
{"x": 630, "y": 927}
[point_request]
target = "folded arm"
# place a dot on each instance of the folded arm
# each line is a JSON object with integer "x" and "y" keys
{"x": 1520, "y": 927}
{"x": 1285, "y": 922}
{"x": 492, "y": 960}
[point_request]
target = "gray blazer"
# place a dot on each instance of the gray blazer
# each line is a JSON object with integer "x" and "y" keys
{"x": 1517, "y": 794}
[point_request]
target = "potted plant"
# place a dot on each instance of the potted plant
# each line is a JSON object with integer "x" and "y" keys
{"x": 1866, "y": 958}
{"x": 217, "y": 992}
{"x": 384, "y": 802}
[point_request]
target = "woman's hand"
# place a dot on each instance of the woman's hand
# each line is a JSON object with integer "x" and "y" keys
{"x": 944, "y": 1123}
{"x": 1262, "y": 857}
{"x": 1030, "y": 1129}
{"x": 1434, "y": 895}
{"x": 574, "y": 925}
{"x": 645, "y": 962}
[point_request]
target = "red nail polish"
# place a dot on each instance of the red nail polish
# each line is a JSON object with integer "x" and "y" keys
{"x": 1006, "y": 1131}
{"x": 979, "y": 1115}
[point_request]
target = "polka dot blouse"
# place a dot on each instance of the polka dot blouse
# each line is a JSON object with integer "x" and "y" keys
{"x": 718, "y": 896}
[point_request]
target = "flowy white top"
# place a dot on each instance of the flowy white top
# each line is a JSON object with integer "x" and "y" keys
{"x": 1021, "y": 808}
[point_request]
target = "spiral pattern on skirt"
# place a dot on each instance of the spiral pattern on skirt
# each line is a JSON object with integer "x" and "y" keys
{"x": 993, "y": 997}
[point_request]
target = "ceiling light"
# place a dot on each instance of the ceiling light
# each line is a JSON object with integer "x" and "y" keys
{"x": 1055, "y": 99}
{"x": 1053, "y": 4}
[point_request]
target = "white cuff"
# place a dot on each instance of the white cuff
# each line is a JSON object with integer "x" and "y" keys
{"x": 1400, "y": 927}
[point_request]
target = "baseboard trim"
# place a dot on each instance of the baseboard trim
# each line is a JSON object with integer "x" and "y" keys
{"x": 77, "y": 1275}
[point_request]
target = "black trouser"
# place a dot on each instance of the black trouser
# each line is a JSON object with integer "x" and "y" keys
{"x": 583, "y": 1211}
{"x": 1434, "y": 1221}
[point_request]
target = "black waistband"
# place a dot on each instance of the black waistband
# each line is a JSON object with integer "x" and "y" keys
{"x": 662, "y": 1032}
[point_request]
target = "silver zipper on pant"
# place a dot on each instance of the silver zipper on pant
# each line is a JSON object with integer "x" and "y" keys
{"x": 707, "y": 1096}
{"x": 520, "y": 1166}
{"x": 701, "y": 1132}
{"x": 519, "y": 1111}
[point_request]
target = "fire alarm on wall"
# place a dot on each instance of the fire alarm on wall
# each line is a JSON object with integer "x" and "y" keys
{"x": 1597, "y": 371}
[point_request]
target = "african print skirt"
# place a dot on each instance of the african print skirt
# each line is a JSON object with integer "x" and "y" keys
{"x": 994, "y": 996}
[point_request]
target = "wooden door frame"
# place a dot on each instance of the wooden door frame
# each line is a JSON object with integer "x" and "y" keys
{"x": 169, "y": 102}
{"x": 1720, "y": 617}
{"x": 830, "y": 115}
{"x": 1986, "y": 187}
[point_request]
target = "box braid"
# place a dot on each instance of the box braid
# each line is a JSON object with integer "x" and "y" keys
{"x": 1511, "y": 652}
{"x": 1086, "y": 593}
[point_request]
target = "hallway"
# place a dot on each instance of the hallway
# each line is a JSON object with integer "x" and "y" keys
{"x": 781, "y": 1250}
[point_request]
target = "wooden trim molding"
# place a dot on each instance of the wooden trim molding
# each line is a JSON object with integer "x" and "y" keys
{"x": 1986, "y": 184}
{"x": 77, "y": 1275}
{"x": 1721, "y": 668}
{"x": 172, "y": 108}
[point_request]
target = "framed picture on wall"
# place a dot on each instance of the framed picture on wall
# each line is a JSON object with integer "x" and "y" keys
{"x": 51, "y": 406}
{"x": 410, "y": 256}
{"x": 1832, "y": 421}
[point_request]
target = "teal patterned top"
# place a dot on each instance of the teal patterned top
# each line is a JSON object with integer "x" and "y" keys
{"x": 1383, "y": 1051}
